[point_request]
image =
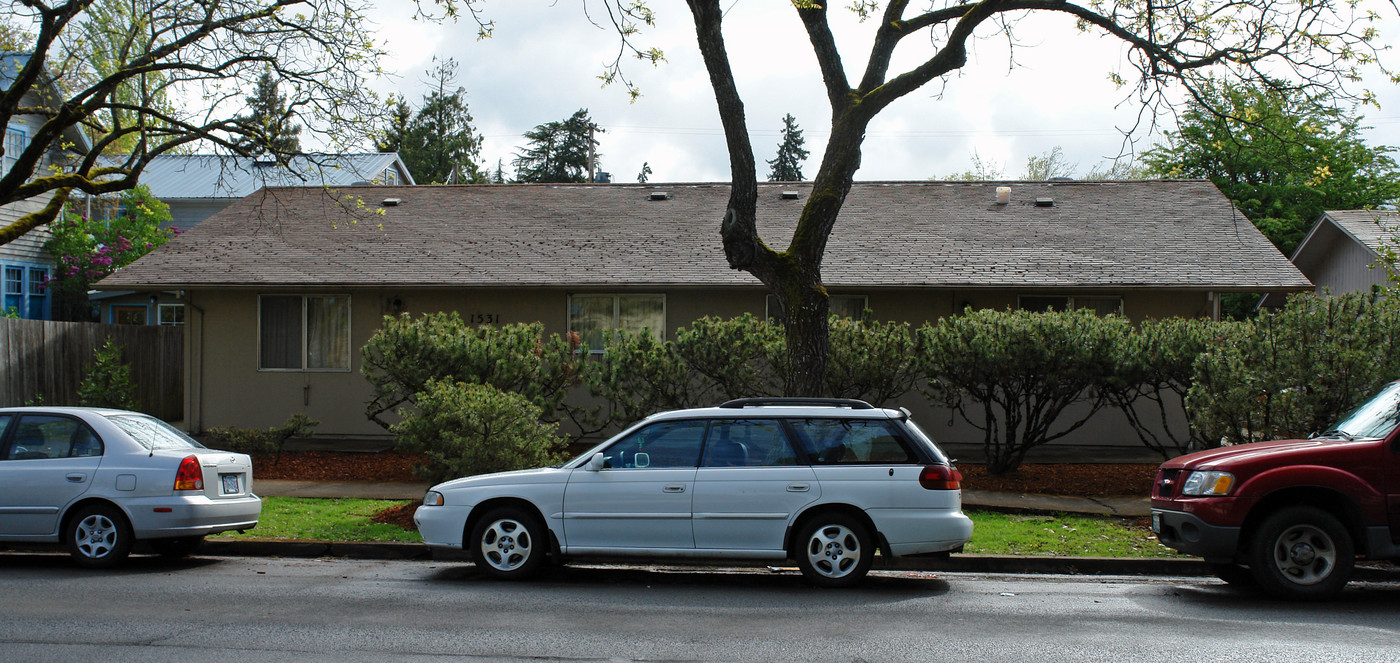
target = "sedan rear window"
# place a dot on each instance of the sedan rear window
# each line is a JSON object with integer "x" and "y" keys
{"x": 153, "y": 433}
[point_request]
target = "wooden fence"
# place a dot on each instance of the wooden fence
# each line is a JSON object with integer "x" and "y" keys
{"x": 47, "y": 360}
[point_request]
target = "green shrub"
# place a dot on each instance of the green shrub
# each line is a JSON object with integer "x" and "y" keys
{"x": 637, "y": 375}
{"x": 466, "y": 429}
{"x": 406, "y": 354}
{"x": 269, "y": 440}
{"x": 108, "y": 383}
{"x": 1013, "y": 374}
{"x": 872, "y": 361}
{"x": 1155, "y": 369}
{"x": 1295, "y": 371}
{"x": 741, "y": 357}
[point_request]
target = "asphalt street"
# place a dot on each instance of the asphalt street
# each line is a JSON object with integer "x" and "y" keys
{"x": 271, "y": 609}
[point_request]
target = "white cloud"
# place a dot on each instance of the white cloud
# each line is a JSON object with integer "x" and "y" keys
{"x": 543, "y": 62}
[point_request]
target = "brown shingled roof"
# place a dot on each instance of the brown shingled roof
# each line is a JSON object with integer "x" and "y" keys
{"x": 933, "y": 234}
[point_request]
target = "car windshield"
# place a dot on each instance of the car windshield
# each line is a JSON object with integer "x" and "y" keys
{"x": 1375, "y": 418}
{"x": 153, "y": 433}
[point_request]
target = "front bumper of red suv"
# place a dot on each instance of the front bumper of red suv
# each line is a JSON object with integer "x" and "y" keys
{"x": 1190, "y": 534}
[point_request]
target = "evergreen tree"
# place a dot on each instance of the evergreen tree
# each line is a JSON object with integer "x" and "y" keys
{"x": 643, "y": 176}
{"x": 787, "y": 166}
{"x": 396, "y": 131}
{"x": 499, "y": 177}
{"x": 1282, "y": 159}
{"x": 559, "y": 151}
{"x": 441, "y": 145}
{"x": 269, "y": 122}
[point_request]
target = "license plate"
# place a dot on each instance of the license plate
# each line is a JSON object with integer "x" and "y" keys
{"x": 230, "y": 482}
{"x": 1156, "y": 523}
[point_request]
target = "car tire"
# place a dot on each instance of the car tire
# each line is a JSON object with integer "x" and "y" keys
{"x": 176, "y": 548}
{"x": 1302, "y": 552}
{"x": 509, "y": 543}
{"x": 834, "y": 550}
{"x": 1234, "y": 574}
{"x": 99, "y": 536}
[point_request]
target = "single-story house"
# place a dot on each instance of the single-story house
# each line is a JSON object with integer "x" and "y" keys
{"x": 25, "y": 267}
{"x": 196, "y": 186}
{"x": 284, "y": 287}
{"x": 1341, "y": 251}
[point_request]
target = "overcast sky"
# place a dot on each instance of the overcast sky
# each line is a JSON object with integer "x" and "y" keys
{"x": 543, "y": 62}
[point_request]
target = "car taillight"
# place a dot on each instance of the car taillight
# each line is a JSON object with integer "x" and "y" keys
{"x": 940, "y": 477}
{"x": 189, "y": 476}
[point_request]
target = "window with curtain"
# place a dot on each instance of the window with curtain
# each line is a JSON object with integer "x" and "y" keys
{"x": 304, "y": 332}
{"x": 591, "y": 315}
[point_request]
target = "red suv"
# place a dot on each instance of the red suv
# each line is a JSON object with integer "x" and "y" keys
{"x": 1291, "y": 515}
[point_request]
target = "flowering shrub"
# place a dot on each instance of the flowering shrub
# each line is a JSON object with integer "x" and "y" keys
{"x": 89, "y": 248}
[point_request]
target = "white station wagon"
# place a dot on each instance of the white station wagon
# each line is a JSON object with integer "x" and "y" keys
{"x": 824, "y": 482}
{"x": 99, "y": 480}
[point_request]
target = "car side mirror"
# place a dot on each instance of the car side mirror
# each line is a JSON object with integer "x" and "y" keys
{"x": 597, "y": 462}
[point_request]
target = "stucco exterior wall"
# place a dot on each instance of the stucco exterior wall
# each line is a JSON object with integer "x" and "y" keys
{"x": 226, "y": 388}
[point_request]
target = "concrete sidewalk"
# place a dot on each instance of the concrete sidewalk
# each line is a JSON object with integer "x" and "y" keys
{"x": 386, "y": 490}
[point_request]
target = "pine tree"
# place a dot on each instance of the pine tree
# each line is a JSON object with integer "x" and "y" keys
{"x": 396, "y": 131}
{"x": 499, "y": 177}
{"x": 269, "y": 123}
{"x": 559, "y": 151}
{"x": 787, "y": 166}
{"x": 441, "y": 145}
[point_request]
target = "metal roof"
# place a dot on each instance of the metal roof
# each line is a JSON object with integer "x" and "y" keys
{"x": 177, "y": 176}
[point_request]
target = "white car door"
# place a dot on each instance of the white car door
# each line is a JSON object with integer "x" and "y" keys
{"x": 641, "y": 499}
{"x": 749, "y": 486}
{"x": 48, "y": 461}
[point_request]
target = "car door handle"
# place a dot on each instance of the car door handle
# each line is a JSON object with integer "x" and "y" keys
{"x": 798, "y": 487}
{"x": 674, "y": 488}
{"x": 77, "y": 478}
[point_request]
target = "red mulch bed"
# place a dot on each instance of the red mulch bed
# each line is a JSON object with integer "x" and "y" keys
{"x": 1080, "y": 480}
{"x": 336, "y": 466}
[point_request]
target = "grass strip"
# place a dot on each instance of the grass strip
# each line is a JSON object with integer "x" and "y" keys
{"x": 994, "y": 533}
{"x": 324, "y": 519}
{"x": 1062, "y": 535}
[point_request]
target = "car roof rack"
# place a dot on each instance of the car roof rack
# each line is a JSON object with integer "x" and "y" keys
{"x": 851, "y": 403}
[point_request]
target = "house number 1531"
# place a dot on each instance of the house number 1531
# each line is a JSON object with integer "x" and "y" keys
{"x": 484, "y": 318}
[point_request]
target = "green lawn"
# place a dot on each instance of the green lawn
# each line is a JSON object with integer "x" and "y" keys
{"x": 315, "y": 519}
{"x": 994, "y": 534}
{"x": 1061, "y": 535}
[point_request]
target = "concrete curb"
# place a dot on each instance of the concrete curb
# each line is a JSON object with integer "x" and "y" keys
{"x": 955, "y": 563}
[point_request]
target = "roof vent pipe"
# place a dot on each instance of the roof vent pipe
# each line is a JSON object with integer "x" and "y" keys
{"x": 1003, "y": 195}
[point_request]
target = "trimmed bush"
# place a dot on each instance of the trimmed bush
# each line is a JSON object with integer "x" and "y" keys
{"x": 406, "y": 354}
{"x": 269, "y": 440}
{"x": 1296, "y": 371}
{"x": 467, "y": 429}
{"x": 1156, "y": 368}
{"x": 1012, "y": 374}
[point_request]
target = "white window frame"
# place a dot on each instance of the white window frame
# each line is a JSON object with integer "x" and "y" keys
{"x": 306, "y": 337}
{"x": 660, "y": 334}
{"x": 1069, "y": 299}
{"x": 11, "y": 154}
{"x": 160, "y": 316}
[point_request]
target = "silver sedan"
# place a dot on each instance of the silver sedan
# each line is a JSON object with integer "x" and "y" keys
{"x": 99, "y": 480}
